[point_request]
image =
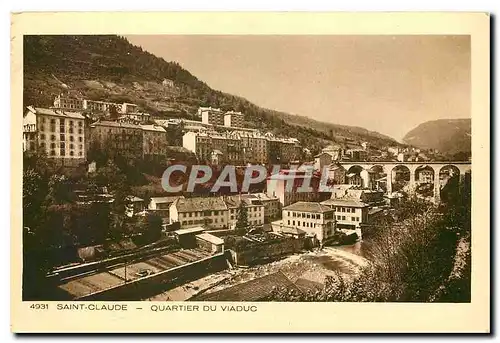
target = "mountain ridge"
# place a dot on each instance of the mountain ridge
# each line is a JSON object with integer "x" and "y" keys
{"x": 449, "y": 136}
{"x": 108, "y": 67}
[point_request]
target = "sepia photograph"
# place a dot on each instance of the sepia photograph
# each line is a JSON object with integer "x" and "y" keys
{"x": 238, "y": 169}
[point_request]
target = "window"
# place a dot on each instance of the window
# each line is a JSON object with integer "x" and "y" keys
{"x": 353, "y": 219}
{"x": 52, "y": 137}
{"x": 52, "y": 152}
{"x": 63, "y": 145}
{"x": 80, "y": 139}
{"x": 70, "y": 130}
{"x": 52, "y": 145}
{"x": 62, "y": 137}
{"x": 71, "y": 138}
{"x": 52, "y": 122}
{"x": 298, "y": 223}
{"x": 343, "y": 209}
{"x": 343, "y": 217}
{"x": 42, "y": 136}
{"x": 303, "y": 215}
{"x": 71, "y": 123}
{"x": 80, "y": 124}
{"x": 71, "y": 146}
{"x": 293, "y": 222}
{"x": 216, "y": 213}
{"x": 71, "y": 153}
{"x": 42, "y": 145}
{"x": 62, "y": 151}
{"x": 190, "y": 214}
{"x": 80, "y": 153}
{"x": 289, "y": 213}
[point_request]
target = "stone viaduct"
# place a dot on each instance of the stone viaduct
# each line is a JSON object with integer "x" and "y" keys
{"x": 388, "y": 168}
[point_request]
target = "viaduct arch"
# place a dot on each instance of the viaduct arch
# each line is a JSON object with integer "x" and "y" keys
{"x": 433, "y": 176}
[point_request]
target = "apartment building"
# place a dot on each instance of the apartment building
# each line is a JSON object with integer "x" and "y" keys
{"x": 191, "y": 212}
{"x": 313, "y": 218}
{"x": 227, "y": 147}
{"x": 154, "y": 141}
{"x": 101, "y": 106}
{"x": 233, "y": 119}
{"x": 61, "y": 134}
{"x": 120, "y": 138}
{"x": 272, "y": 206}
{"x": 350, "y": 213}
{"x": 286, "y": 185}
{"x": 68, "y": 103}
{"x": 127, "y": 108}
{"x": 254, "y": 146}
{"x": 210, "y": 115}
{"x": 255, "y": 209}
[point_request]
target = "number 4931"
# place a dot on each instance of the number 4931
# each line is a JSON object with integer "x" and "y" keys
{"x": 39, "y": 306}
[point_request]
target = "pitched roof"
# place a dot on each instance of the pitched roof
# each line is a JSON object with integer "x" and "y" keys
{"x": 200, "y": 204}
{"x": 116, "y": 124}
{"x": 253, "y": 290}
{"x": 349, "y": 202}
{"x": 210, "y": 238}
{"x": 162, "y": 200}
{"x": 153, "y": 128}
{"x": 58, "y": 113}
{"x": 304, "y": 206}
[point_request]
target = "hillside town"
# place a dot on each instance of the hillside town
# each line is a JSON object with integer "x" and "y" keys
{"x": 159, "y": 245}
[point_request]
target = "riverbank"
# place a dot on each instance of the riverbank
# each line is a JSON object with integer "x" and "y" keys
{"x": 310, "y": 267}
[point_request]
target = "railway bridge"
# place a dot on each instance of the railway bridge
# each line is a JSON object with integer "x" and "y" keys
{"x": 434, "y": 169}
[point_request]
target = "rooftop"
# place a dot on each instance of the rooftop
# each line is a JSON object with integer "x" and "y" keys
{"x": 162, "y": 200}
{"x": 190, "y": 230}
{"x": 56, "y": 112}
{"x": 210, "y": 238}
{"x": 254, "y": 290}
{"x": 349, "y": 202}
{"x": 200, "y": 204}
{"x": 116, "y": 124}
{"x": 304, "y": 206}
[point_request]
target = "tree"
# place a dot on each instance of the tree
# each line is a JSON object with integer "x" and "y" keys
{"x": 242, "y": 218}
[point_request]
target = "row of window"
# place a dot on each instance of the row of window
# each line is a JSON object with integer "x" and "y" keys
{"x": 345, "y": 209}
{"x": 61, "y": 129}
{"x": 62, "y": 137}
{"x": 62, "y": 122}
{"x": 354, "y": 219}
{"x": 304, "y": 215}
{"x": 62, "y": 146}
{"x": 304, "y": 224}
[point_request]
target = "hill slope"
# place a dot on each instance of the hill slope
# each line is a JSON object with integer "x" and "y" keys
{"x": 110, "y": 68}
{"x": 449, "y": 136}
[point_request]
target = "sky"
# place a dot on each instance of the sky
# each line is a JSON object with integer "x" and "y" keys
{"x": 388, "y": 84}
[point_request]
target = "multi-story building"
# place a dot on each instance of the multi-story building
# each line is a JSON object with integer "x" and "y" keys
{"x": 272, "y": 206}
{"x": 101, "y": 106}
{"x": 127, "y": 108}
{"x": 255, "y": 210}
{"x": 311, "y": 217}
{"x": 322, "y": 160}
{"x": 233, "y": 119}
{"x": 210, "y": 115}
{"x": 61, "y": 134}
{"x": 191, "y": 212}
{"x": 120, "y": 138}
{"x": 336, "y": 174}
{"x": 289, "y": 186}
{"x": 68, "y": 103}
{"x": 154, "y": 141}
{"x": 350, "y": 213}
{"x": 228, "y": 148}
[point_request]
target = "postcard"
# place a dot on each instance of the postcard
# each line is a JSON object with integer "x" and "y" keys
{"x": 250, "y": 172}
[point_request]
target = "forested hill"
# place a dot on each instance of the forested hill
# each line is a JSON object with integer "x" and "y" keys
{"x": 110, "y": 68}
{"x": 449, "y": 136}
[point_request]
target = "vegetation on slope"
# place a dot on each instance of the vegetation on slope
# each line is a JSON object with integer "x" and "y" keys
{"x": 110, "y": 68}
{"x": 449, "y": 136}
